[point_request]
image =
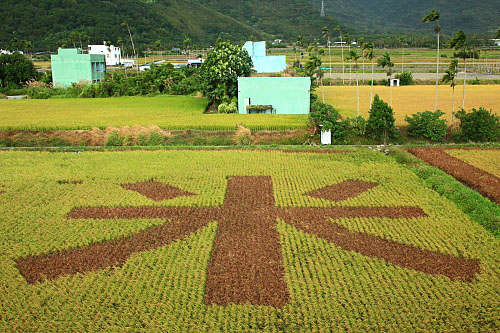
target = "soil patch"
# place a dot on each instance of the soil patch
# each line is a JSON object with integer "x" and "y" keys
{"x": 246, "y": 265}
{"x": 478, "y": 179}
{"x": 156, "y": 191}
{"x": 343, "y": 191}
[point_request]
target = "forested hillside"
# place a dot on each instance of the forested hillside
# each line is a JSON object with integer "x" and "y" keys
{"x": 370, "y": 16}
{"x": 49, "y": 23}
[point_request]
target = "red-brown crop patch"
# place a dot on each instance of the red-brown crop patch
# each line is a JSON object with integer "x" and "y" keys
{"x": 476, "y": 178}
{"x": 246, "y": 264}
{"x": 156, "y": 191}
{"x": 343, "y": 191}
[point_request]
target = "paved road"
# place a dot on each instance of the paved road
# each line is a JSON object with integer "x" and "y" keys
{"x": 416, "y": 76}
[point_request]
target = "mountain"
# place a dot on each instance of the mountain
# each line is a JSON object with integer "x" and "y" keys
{"x": 394, "y": 16}
{"x": 48, "y": 23}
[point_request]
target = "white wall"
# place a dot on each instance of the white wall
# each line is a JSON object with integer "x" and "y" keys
{"x": 112, "y": 53}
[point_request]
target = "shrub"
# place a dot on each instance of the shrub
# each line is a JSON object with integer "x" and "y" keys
{"x": 383, "y": 82}
{"x": 381, "y": 119}
{"x": 325, "y": 117}
{"x": 225, "y": 107}
{"x": 427, "y": 125}
{"x": 358, "y": 125}
{"x": 114, "y": 139}
{"x": 405, "y": 78}
{"x": 142, "y": 140}
{"x": 478, "y": 125}
{"x": 155, "y": 139}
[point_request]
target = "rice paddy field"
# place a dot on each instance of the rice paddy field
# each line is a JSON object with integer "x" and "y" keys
{"x": 168, "y": 112}
{"x": 487, "y": 160}
{"x": 237, "y": 240}
{"x": 477, "y": 167}
{"x": 408, "y": 100}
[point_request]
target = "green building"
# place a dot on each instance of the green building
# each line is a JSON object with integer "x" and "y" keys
{"x": 73, "y": 66}
{"x": 277, "y": 95}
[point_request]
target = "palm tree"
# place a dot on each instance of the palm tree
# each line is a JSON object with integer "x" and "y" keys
{"x": 361, "y": 44}
{"x": 385, "y": 61}
{"x": 348, "y": 41}
{"x": 337, "y": 29}
{"x": 434, "y": 16}
{"x": 459, "y": 42}
{"x": 402, "y": 42}
{"x": 125, "y": 25}
{"x": 312, "y": 67}
{"x": 326, "y": 35}
{"x": 450, "y": 76}
{"x": 74, "y": 36}
{"x": 158, "y": 47}
{"x": 353, "y": 57}
{"x": 368, "y": 50}
{"x": 187, "y": 45}
{"x": 300, "y": 42}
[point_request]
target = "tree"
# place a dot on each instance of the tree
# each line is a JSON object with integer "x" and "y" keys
{"x": 449, "y": 77}
{"x": 381, "y": 119}
{"x": 459, "y": 42}
{"x": 187, "y": 45}
{"x": 16, "y": 70}
{"x": 368, "y": 51}
{"x": 326, "y": 35}
{"x": 337, "y": 29}
{"x": 402, "y": 42}
{"x": 385, "y": 61}
{"x": 313, "y": 70}
{"x": 497, "y": 35}
{"x": 434, "y": 16}
{"x": 353, "y": 57}
{"x": 220, "y": 72}
{"x": 300, "y": 43}
{"x": 361, "y": 44}
{"x": 74, "y": 37}
{"x": 125, "y": 25}
{"x": 157, "y": 47}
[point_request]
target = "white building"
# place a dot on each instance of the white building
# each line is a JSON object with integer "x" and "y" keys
{"x": 195, "y": 63}
{"x": 9, "y": 52}
{"x": 496, "y": 41}
{"x": 112, "y": 53}
{"x": 128, "y": 63}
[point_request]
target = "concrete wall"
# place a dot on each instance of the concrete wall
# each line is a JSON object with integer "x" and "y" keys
{"x": 287, "y": 95}
{"x": 71, "y": 66}
{"x": 261, "y": 62}
{"x": 112, "y": 53}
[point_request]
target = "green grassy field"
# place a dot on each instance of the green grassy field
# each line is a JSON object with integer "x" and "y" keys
{"x": 393, "y": 256}
{"x": 168, "y": 112}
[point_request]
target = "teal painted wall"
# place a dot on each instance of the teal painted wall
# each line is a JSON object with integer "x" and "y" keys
{"x": 72, "y": 66}
{"x": 261, "y": 62}
{"x": 287, "y": 95}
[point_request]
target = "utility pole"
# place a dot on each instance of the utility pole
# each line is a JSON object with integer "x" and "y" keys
{"x": 322, "y": 8}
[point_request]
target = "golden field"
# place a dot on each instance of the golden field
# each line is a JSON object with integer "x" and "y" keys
{"x": 408, "y": 100}
{"x": 487, "y": 160}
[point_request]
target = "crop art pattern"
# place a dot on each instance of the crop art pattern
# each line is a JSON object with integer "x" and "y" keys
{"x": 246, "y": 263}
{"x": 477, "y": 168}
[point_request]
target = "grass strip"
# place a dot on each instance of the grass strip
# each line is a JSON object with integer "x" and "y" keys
{"x": 472, "y": 203}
